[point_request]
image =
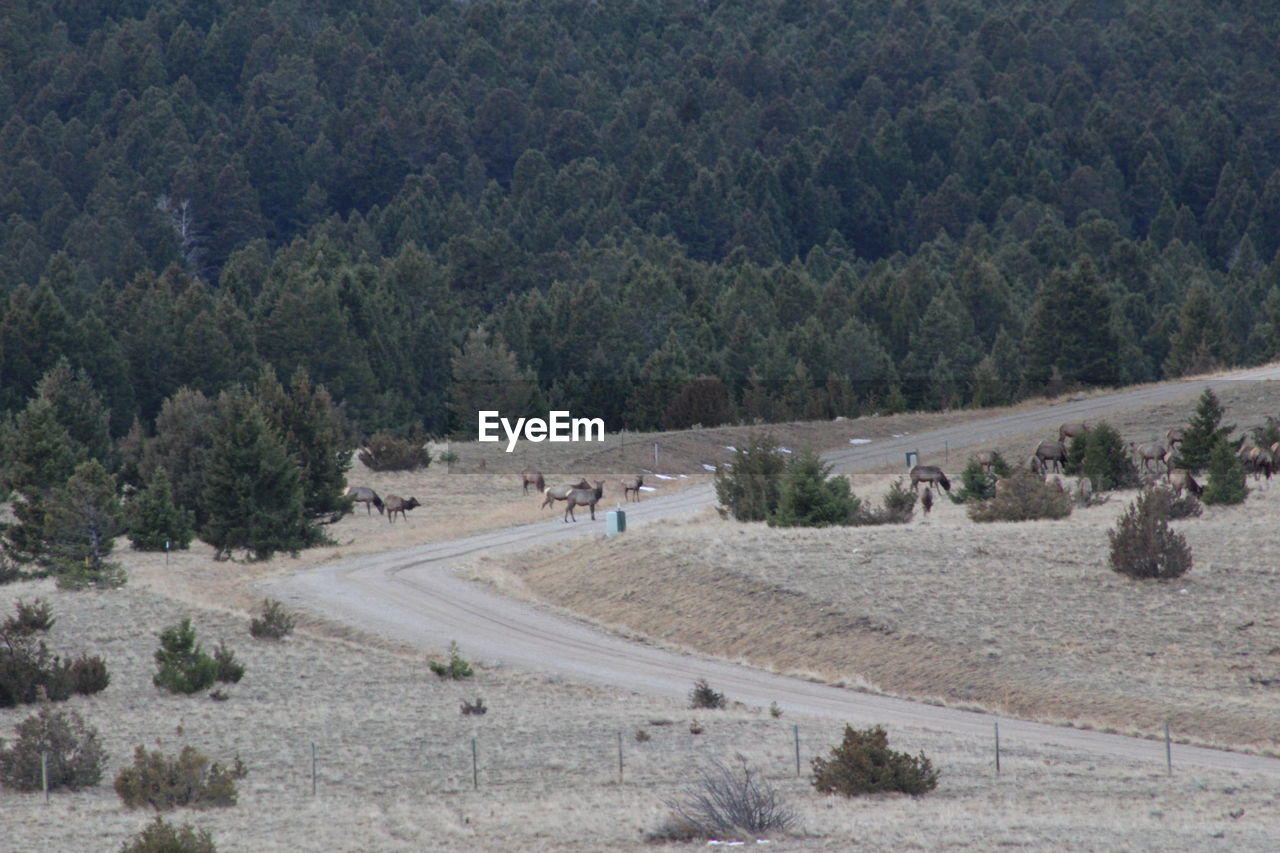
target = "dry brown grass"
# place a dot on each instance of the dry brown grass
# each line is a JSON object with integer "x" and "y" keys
{"x": 395, "y": 753}
{"x": 1025, "y": 618}
{"x": 395, "y": 760}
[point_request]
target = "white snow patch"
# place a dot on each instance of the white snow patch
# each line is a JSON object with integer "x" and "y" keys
{"x": 663, "y": 477}
{"x": 649, "y": 488}
{"x": 708, "y": 467}
{"x": 783, "y": 450}
{"x": 859, "y": 441}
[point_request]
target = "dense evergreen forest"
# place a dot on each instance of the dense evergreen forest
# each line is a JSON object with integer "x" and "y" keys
{"x": 659, "y": 212}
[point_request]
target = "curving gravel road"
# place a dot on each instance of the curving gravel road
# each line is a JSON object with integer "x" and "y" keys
{"x": 414, "y": 596}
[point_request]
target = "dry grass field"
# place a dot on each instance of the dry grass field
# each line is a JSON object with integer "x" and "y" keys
{"x": 1021, "y": 617}
{"x": 395, "y": 772}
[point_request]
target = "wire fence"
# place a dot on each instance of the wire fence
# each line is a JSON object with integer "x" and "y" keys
{"x": 653, "y": 754}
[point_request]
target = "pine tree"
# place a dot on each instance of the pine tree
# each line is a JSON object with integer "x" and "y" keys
{"x": 38, "y": 455}
{"x": 486, "y": 376}
{"x": 316, "y": 436}
{"x": 1104, "y": 460}
{"x": 811, "y": 497}
{"x": 252, "y": 496}
{"x": 155, "y": 522}
{"x": 1201, "y": 343}
{"x": 1070, "y": 330}
{"x": 1203, "y": 434}
{"x": 750, "y": 486}
{"x": 1226, "y": 476}
{"x": 81, "y": 522}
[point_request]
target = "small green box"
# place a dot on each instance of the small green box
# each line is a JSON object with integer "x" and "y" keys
{"x": 616, "y": 522}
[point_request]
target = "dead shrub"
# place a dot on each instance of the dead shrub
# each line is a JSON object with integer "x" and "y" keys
{"x": 189, "y": 779}
{"x": 1143, "y": 546}
{"x": 864, "y": 764}
{"x": 1022, "y": 497}
{"x": 476, "y": 708}
{"x": 726, "y": 802}
{"x": 74, "y": 758}
{"x": 161, "y": 837}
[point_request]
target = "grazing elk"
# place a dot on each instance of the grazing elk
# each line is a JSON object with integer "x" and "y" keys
{"x": 1067, "y": 431}
{"x": 532, "y": 477}
{"x": 1180, "y": 479}
{"x": 560, "y": 493}
{"x": 632, "y": 485}
{"x": 366, "y": 496}
{"x": 1174, "y": 437}
{"x": 1151, "y": 452}
{"x": 1049, "y": 453}
{"x": 930, "y": 475}
{"x": 395, "y": 504}
{"x": 583, "y": 497}
{"x": 1258, "y": 462}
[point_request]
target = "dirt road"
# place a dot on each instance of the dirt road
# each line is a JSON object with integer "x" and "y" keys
{"x": 414, "y": 596}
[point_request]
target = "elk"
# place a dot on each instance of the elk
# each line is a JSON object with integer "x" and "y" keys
{"x": 560, "y": 493}
{"x": 1067, "y": 431}
{"x": 1050, "y": 453}
{"x": 1179, "y": 479}
{"x": 930, "y": 475}
{"x": 583, "y": 497}
{"x": 632, "y": 485}
{"x": 986, "y": 459}
{"x": 1174, "y": 437}
{"x": 1152, "y": 451}
{"x": 395, "y": 504}
{"x": 532, "y": 477}
{"x": 1258, "y": 462}
{"x": 366, "y": 496}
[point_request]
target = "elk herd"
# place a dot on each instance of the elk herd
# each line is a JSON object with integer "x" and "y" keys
{"x": 1155, "y": 460}
{"x": 573, "y": 495}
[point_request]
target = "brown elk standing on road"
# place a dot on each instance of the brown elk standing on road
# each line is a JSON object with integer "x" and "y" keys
{"x": 632, "y": 485}
{"x": 560, "y": 493}
{"x": 532, "y": 477}
{"x": 583, "y": 497}
{"x": 395, "y": 504}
